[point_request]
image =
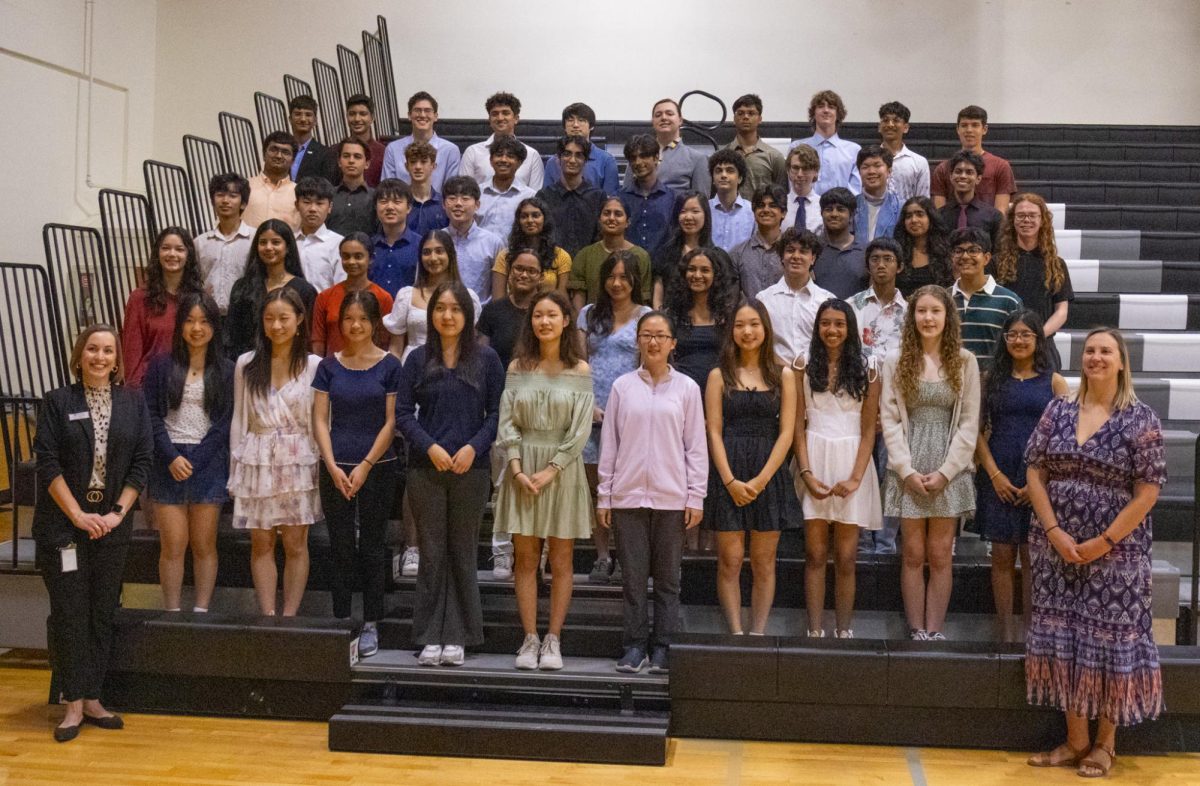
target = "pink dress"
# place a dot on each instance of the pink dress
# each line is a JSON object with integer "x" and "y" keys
{"x": 273, "y": 457}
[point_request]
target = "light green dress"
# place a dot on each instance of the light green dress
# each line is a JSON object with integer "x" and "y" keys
{"x": 545, "y": 418}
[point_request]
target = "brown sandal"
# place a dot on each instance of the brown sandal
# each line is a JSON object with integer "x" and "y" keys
{"x": 1090, "y": 767}
{"x": 1049, "y": 759}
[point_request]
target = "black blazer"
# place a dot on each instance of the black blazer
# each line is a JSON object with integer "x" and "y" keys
{"x": 64, "y": 447}
{"x": 319, "y": 161}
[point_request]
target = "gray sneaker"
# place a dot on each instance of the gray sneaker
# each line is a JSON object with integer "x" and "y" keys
{"x": 617, "y": 577}
{"x": 502, "y": 565}
{"x": 527, "y": 656}
{"x": 368, "y": 640}
{"x": 600, "y": 571}
{"x": 410, "y": 563}
{"x": 550, "y": 658}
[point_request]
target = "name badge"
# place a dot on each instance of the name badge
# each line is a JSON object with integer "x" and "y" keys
{"x": 74, "y": 416}
{"x": 70, "y": 559}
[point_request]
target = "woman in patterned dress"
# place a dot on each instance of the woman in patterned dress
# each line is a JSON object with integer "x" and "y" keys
{"x": 1096, "y": 464}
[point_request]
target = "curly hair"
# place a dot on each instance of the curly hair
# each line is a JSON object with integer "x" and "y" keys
{"x": 542, "y": 243}
{"x": 937, "y": 240}
{"x": 1006, "y": 257}
{"x": 730, "y": 358}
{"x": 723, "y": 295}
{"x": 912, "y": 362}
{"x": 190, "y": 282}
{"x": 851, "y": 370}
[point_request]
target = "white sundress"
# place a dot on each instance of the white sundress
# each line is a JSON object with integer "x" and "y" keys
{"x": 834, "y": 432}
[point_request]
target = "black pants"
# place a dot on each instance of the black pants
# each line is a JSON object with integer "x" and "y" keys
{"x": 365, "y": 515}
{"x": 83, "y": 604}
{"x": 650, "y": 544}
{"x": 448, "y": 509}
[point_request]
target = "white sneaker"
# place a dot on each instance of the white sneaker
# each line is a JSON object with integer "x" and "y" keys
{"x": 453, "y": 655}
{"x": 502, "y": 565}
{"x": 527, "y": 656}
{"x": 847, "y": 633}
{"x": 410, "y": 562}
{"x": 550, "y": 658}
{"x": 431, "y": 655}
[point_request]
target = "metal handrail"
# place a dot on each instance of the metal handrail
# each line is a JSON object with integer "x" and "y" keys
{"x": 697, "y": 128}
{"x": 1194, "y": 633}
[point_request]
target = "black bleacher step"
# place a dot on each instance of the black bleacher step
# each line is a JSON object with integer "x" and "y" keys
{"x": 1090, "y": 309}
{"x": 1145, "y": 218}
{"x": 1106, "y": 171}
{"x": 607, "y": 736}
{"x": 1090, "y": 192}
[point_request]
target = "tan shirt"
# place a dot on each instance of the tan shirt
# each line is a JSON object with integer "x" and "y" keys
{"x": 271, "y": 201}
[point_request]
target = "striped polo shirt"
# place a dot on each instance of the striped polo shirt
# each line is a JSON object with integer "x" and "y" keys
{"x": 982, "y": 315}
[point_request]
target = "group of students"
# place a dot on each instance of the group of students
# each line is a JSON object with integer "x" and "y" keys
{"x": 651, "y": 389}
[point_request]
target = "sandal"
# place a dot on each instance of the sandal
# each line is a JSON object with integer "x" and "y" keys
{"x": 1091, "y": 767}
{"x": 1050, "y": 759}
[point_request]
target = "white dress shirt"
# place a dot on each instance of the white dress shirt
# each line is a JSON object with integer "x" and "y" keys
{"x": 222, "y": 260}
{"x": 792, "y": 313}
{"x": 498, "y": 208}
{"x": 320, "y": 258}
{"x": 812, "y": 210}
{"x": 476, "y": 163}
{"x": 910, "y": 175}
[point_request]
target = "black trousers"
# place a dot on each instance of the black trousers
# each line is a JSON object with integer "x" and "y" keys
{"x": 650, "y": 545}
{"x": 448, "y": 509}
{"x": 83, "y": 604}
{"x": 358, "y": 539}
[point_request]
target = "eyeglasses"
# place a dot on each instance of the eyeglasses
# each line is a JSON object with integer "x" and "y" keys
{"x": 528, "y": 272}
{"x": 1014, "y": 336}
{"x": 654, "y": 338}
{"x": 1026, "y": 216}
{"x": 572, "y": 154}
{"x": 972, "y": 251}
{"x": 746, "y": 113}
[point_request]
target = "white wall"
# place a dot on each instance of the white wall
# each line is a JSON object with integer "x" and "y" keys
{"x": 43, "y": 93}
{"x": 1101, "y": 61}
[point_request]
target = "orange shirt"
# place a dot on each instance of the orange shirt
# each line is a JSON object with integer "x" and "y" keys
{"x": 325, "y": 327}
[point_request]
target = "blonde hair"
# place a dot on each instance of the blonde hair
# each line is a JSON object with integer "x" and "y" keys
{"x": 912, "y": 362}
{"x": 1126, "y": 397}
{"x": 1008, "y": 252}
{"x": 117, "y": 375}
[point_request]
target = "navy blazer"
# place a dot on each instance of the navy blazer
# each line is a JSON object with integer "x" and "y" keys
{"x": 64, "y": 448}
{"x": 156, "y": 389}
{"x": 319, "y": 161}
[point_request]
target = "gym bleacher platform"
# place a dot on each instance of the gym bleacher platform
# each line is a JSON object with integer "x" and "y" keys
{"x": 1126, "y": 201}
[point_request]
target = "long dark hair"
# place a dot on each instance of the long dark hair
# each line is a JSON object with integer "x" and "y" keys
{"x": 468, "y": 365}
{"x": 216, "y": 395}
{"x": 256, "y": 269}
{"x": 258, "y": 369}
{"x": 156, "y": 288}
{"x": 937, "y": 241}
{"x": 528, "y": 351}
{"x": 541, "y": 244}
{"x": 443, "y": 237}
{"x": 670, "y": 252}
{"x": 366, "y": 300}
{"x": 1002, "y": 363}
{"x": 600, "y": 316}
{"x": 851, "y": 370}
{"x": 772, "y": 374}
{"x": 723, "y": 295}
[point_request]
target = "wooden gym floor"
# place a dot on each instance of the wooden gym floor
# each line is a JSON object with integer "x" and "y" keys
{"x": 157, "y": 750}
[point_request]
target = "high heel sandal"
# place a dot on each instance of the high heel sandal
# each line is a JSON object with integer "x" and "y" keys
{"x": 1047, "y": 758}
{"x": 1090, "y": 767}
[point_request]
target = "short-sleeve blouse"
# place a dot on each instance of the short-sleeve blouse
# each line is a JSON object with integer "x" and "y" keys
{"x": 357, "y": 405}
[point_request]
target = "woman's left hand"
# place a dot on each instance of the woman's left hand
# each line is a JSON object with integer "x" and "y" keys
{"x": 464, "y": 458}
{"x": 1092, "y": 550}
{"x": 543, "y": 477}
{"x": 111, "y": 520}
{"x": 356, "y": 479}
{"x": 934, "y": 482}
{"x": 844, "y": 488}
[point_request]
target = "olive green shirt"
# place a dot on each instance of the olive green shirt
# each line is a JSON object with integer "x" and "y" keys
{"x": 585, "y": 271}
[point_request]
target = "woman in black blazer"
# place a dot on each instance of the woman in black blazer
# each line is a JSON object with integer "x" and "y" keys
{"x": 94, "y": 447}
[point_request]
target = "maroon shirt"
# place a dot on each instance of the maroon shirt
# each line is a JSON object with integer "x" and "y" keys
{"x": 997, "y": 179}
{"x": 145, "y": 335}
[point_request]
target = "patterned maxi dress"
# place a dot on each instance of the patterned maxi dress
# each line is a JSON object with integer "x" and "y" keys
{"x": 1089, "y": 648}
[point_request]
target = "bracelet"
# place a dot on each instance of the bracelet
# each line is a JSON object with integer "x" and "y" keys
{"x": 993, "y": 475}
{"x": 1111, "y": 543}
{"x": 519, "y": 474}
{"x": 368, "y": 462}
{"x": 729, "y": 481}
{"x": 557, "y": 468}
{"x": 1052, "y": 529}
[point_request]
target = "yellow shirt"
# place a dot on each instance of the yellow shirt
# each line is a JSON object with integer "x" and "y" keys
{"x": 550, "y": 277}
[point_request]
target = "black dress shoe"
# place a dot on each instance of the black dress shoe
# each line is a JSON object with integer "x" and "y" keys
{"x": 66, "y": 733}
{"x": 110, "y": 722}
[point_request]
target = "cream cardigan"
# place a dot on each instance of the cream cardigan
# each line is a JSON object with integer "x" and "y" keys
{"x": 964, "y": 421}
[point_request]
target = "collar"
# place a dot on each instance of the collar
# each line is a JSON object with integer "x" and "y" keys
{"x": 671, "y": 145}
{"x": 649, "y": 380}
{"x": 342, "y": 188}
{"x": 380, "y": 239}
{"x": 287, "y": 178}
{"x": 759, "y": 146}
{"x": 901, "y": 153}
{"x": 559, "y": 187}
{"x": 989, "y": 286}
{"x": 831, "y": 138}
{"x": 897, "y": 298}
{"x": 491, "y": 189}
{"x": 323, "y": 233}
{"x": 633, "y": 188}
{"x": 758, "y": 241}
{"x": 739, "y": 204}
{"x": 454, "y": 233}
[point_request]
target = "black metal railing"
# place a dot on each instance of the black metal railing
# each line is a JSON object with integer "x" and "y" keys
{"x": 701, "y": 129}
{"x": 78, "y": 288}
{"x": 170, "y": 193}
{"x": 331, "y": 106}
{"x": 204, "y": 158}
{"x": 272, "y": 114}
{"x": 241, "y": 144}
{"x": 125, "y": 225}
{"x": 351, "y": 67}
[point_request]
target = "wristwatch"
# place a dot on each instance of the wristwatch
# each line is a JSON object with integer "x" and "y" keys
{"x": 118, "y": 508}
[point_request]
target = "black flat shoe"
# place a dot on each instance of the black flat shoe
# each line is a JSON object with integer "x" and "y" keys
{"x": 66, "y": 733}
{"x": 110, "y": 722}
